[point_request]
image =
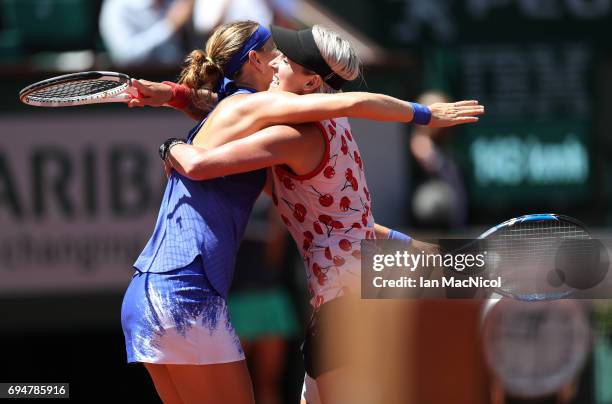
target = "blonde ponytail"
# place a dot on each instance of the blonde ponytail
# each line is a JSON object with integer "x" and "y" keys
{"x": 201, "y": 71}
{"x": 204, "y": 69}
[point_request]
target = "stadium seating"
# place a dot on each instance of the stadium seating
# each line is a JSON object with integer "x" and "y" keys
{"x": 50, "y": 25}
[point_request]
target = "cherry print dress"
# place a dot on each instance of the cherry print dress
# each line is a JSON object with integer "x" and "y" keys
{"x": 328, "y": 213}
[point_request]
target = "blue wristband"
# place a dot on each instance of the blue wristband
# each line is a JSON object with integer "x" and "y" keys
{"x": 396, "y": 235}
{"x": 421, "y": 114}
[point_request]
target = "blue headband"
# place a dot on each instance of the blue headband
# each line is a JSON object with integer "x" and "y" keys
{"x": 255, "y": 41}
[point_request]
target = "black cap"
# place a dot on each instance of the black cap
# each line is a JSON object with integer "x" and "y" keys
{"x": 300, "y": 47}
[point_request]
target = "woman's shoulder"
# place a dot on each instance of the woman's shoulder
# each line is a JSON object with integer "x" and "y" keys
{"x": 233, "y": 99}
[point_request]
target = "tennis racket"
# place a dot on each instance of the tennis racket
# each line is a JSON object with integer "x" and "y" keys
{"x": 535, "y": 349}
{"x": 536, "y": 255}
{"x": 83, "y": 88}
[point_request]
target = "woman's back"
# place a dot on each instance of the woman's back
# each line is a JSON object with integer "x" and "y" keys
{"x": 202, "y": 218}
{"x": 216, "y": 130}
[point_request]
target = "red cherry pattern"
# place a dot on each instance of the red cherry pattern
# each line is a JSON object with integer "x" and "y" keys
{"x": 328, "y": 253}
{"x": 345, "y": 204}
{"x": 308, "y": 237}
{"x": 331, "y": 130}
{"x": 344, "y": 147}
{"x": 288, "y": 183}
{"x": 350, "y": 180}
{"x": 279, "y": 173}
{"x": 348, "y": 174}
{"x": 324, "y": 199}
{"x": 367, "y": 193}
{"x": 353, "y": 226}
{"x": 325, "y": 219}
{"x": 358, "y": 159}
{"x": 299, "y": 212}
{"x": 336, "y": 224}
{"x": 319, "y": 274}
{"x": 345, "y": 245}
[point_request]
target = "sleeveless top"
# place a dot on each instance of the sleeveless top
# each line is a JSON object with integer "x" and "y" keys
{"x": 328, "y": 213}
{"x": 202, "y": 218}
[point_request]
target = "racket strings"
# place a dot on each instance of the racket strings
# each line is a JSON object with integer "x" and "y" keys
{"x": 534, "y": 240}
{"x": 76, "y": 90}
{"x": 524, "y": 254}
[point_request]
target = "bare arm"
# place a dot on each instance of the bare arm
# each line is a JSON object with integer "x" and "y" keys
{"x": 238, "y": 117}
{"x": 416, "y": 246}
{"x": 272, "y": 107}
{"x": 271, "y": 146}
{"x": 382, "y": 232}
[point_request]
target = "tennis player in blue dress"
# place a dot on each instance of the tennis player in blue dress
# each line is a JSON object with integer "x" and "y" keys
{"x": 174, "y": 314}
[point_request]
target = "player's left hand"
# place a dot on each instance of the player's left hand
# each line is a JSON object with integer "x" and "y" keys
{"x": 444, "y": 114}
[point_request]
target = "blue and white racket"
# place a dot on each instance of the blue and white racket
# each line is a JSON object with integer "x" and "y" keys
{"x": 526, "y": 254}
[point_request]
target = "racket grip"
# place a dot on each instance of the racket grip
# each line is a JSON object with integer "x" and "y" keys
{"x": 125, "y": 97}
{"x": 132, "y": 91}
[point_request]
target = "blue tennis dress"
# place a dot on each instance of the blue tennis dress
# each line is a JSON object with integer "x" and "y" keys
{"x": 174, "y": 310}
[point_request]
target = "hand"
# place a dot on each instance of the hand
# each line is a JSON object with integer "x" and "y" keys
{"x": 417, "y": 247}
{"x": 150, "y": 94}
{"x": 180, "y": 13}
{"x": 205, "y": 100}
{"x": 444, "y": 114}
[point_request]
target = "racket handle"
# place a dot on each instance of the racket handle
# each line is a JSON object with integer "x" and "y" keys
{"x": 123, "y": 97}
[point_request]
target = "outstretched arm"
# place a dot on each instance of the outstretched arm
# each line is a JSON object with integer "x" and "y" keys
{"x": 249, "y": 114}
{"x": 270, "y": 107}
